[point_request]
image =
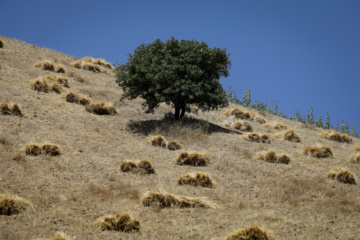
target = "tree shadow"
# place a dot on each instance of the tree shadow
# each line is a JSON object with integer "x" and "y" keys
{"x": 173, "y": 126}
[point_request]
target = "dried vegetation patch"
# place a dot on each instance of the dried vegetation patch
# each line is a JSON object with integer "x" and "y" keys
{"x": 192, "y": 159}
{"x": 48, "y": 65}
{"x": 143, "y": 166}
{"x": 167, "y": 200}
{"x": 259, "y": 120}
{"x": 291, "y": 136}
{"x": 160, "y": 141}
{"x": 11, "y": 204}
{"x": 341, "y": 175}
{"x": 258, "y": 137}
{"x": 64, "y": 81}
{"x": 243, "y": 126}
{"x": 355, "y": 158}
{"x": 238, "y": 113}
{"x": 7, "y": 109}
{"x": 57, "y": 236}
{"x": 77, "y": 98}
{"x": 336, "y": 136}
{"x": 251, "y": 233}
{"x": 34, "y": 149}
{"x": 119, "y": 222}
{"x": 101, "y": 108}
{"x": 272, "y": 157}
{"x": 196, "y": 179}
{"x": 276, "y": 126}
{"x": 318, "y": 151}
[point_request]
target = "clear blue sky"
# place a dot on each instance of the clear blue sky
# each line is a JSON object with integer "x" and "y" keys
{"x": 299, "y": 52}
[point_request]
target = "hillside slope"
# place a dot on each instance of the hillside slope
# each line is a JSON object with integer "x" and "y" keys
{"x": 70, "y": 191}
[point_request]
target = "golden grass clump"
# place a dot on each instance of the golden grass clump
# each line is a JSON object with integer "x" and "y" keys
{"x": 76, "y": 98}
{"x": 243, "y": 126}
{"x": 56, "y": 88}
{"x": 271, "y": 157}
{"x": 238, "y": 113}
{"x": 192, "y": 159}
{"x": 64, "y": 81}
{"x": 50, "y": 66}
{"x": 193, "y": 108}
{"x": 251, "y": 233}
{"x": 341, "y": 175}
{"x": 119, "y": 222}
{"x": 318, "y": 151}
{"x": 98, "y": 61}
{"x": 100, "y": 108}
{"x": 276, "y": 126}
{"x": 7, "y": 109}
{"x": 355, "y": 158}
{"x": 257, "y": 137}
{"x": 167, "y": 200}
{"x": 259, "y": 120}
{"x": 143, "y": 166}
{"x": 158, "y": 141}
{"x": 336, "y": 136}
{"x": 195, "y": 179}
{"x": 40, "y": 86}
{"x": 11, "y": 204}
{"x": 86, "y": 66}
{"x": 34, "y": 149}
{"x": 291, "y": 136}
{"x": 173, "y": 145}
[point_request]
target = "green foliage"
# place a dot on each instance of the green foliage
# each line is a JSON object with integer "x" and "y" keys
{"x": 178, "y": 72}
{"x": 231, "y": 97}
{"x": 310, "y": 116}
{"x": 319, "y": 122}
{"x": 327, "y": 121}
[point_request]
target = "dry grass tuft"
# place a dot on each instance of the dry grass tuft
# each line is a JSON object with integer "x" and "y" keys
{"x": 291, "y": 136}
{"x": 276, "y": 126}
{"x": 195, "y": 179}
{"x": 173, "y": 145}
{"x": 243, "y": 126}
{"x": 57, "y": 236}
{"x": 56, "y": 88}
{"x": 50, "y": 66}
{"x": 271, "y": 157}
{"x": 238, "y": 113}
{"x": 76, "y": 98}
{"x": 167, "y": 200}
{"x": 158, "y": 141}
{"x": 143, "y": 166}
{"x": 64, "y": 81}
{"x": 98, "y": 61}
{"x": 76, "y": 77}
{"x": 336, "y": 136}
{"x": 355, "y": 158}
{"x": 34, "y": 149}
{"x": 191, "y": 159}
{"x": 40, "y": 86}
{"x": 251, "y": 233}
{"x": 192, "y": 108}
{"x": 257, "y": 137}
{"x": 260, "y": 120}
{"x": 100, "y": 108}
{"x": 119, "y": 222}
{"x": 318, "y": 151}
{"x": 11, "y": 204}
{"x": 81, "y": 64}
{"x": 15, "y": 109}
{"x": 341, "y": 175}
{"x": 357, "y": 147}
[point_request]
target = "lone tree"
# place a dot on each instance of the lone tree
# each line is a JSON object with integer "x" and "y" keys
{"x": 178, "y": 72}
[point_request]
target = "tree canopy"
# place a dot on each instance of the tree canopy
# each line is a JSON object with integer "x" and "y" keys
{"x": 178, "y": 72}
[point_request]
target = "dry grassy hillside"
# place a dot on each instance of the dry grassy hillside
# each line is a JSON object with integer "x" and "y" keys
{"x": 70, "y": 189}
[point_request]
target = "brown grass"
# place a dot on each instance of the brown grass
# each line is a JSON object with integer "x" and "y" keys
{"x": 355, "y": 158}
{"x": 357, "y": 147}
{"x": 259, "y": 120}
{"x": 86, "y": 66}
{"x": 34, "y": 149}
{"x": 77, "y": 98}
{"x": 119, "y": 222}
{"x": 158, "y": 141}
{"x": 251, "y": 233}
{"x": 291, "y": 136}
{"x": 272, "y": 157}
{"x": 336, "y": 136}
{"x": 238, "y": 113}
{"x": 57, "y": 88}
{"x": 7, "y": 109}
{"x": 167, "y": 200}
{"x": 50, "y": 66}
{"x": 173, "y": 145}
{"x": 196, "y": 179}
{"x": 258, "y": 137}
{"x": 143, "y": 166}
{"x": 341, "y": 175}
{"x": 76, "y": 77}
{"x": 98, "y": 61}
{"x": 11, "y": 204}
{"x": 63, "y": 81}
{"x": 57, "y": 236}
{"x": 192, "y": 159}
{"x": 243, "y": 126}
{"x": 40, "y": 86}
{"x": 318, "y": 151}
{"x": 276, "y": 126}
{"x": 100, "y": 108}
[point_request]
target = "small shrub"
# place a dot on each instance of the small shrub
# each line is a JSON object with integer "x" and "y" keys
{"x": 119, "y": 222}
{"x": 100, "y": 108}
{"x": 271, "y": 157}
{"x": 195, "y": 179}
{"x": 276, "y": 126}
{"x": 251, "y": 233}
{"x": 32, "y": 149}
{"x": 336, "y": 136}
{"x": 76, "y": 98}
{"x": 191, "y": 159}
{"x": 63, "y": 81}
{"x": 158, "y": 141}
{"x": 341, "y": 175}
{"x": 243, "y": 126}
{"x": 238, "y": 113}
{"x": 50, "y": 66}
{"x": 86, "y": 66}
{"x": 40, "y": 86}
{"x": 143, "y": 166}
{"x": 318, "y": 151}
{"x": 355, "y": 158}
{"x": 192, "y": 108}
{"x": 167, "y": 200}
{"x": 51, "y": 149}
{"x": 257, "y": 137}
{"x": 56, "y": 88}
{"x": 11, "y": 204}
{"x": 291, "y": 136}
{"x": 173, "y": 145}
{"x": 260, "y": 120}
{"x": 7, "y": 109}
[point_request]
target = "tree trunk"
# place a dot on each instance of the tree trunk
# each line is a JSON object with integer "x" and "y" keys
{"x": 183, "y": 109}
{"x": 177, "y": 111}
